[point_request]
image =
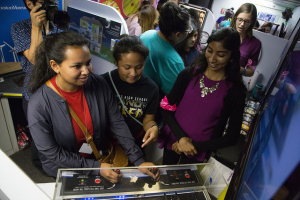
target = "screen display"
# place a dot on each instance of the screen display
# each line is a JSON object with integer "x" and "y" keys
{"x": 275, "y": 153}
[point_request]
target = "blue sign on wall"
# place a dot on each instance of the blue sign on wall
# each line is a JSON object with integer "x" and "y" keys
{"x": 11, "y": 12}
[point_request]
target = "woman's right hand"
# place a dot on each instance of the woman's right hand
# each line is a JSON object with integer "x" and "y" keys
{"x": 109, "y": 174}
{"x": 187, "y": 146}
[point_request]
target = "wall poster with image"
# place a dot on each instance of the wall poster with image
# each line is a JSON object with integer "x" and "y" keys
{"x": 124, "y": 7}
{"x": 273, "y": 18}
{"x": 223, "y": 11}
{"x": 268, "y": 17}
{"x": 97, "y": 30}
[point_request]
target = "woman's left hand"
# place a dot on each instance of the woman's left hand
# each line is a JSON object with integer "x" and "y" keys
{"x": 150, "y": 136}
{"x": 149, "y": 170}
{"x": 176, "y": 147}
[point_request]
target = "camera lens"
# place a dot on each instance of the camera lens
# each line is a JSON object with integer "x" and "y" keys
{"x": 61, "y": 19}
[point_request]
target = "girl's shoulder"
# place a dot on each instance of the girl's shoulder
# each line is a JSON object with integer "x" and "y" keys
{"x": 148, "y": 82}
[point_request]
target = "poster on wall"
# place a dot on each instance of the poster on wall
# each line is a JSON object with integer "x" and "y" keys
{"x": 273, "y": 18}
{"x": 262, "y": 15}
{"x": 10, "y": 12}
{"x": 268, "y": 17}
{"x": 97, "y": 30}
{"x": 125, "y": 7}
{"x": 223, "y": 11}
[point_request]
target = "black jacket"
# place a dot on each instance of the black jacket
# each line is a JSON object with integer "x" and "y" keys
{"x": 52, "y": 130}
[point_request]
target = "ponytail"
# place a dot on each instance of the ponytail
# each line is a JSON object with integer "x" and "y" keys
{"x": 53, "y": 47}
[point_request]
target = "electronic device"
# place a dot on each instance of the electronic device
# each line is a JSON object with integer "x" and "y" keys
{"x": 175, "y": 182}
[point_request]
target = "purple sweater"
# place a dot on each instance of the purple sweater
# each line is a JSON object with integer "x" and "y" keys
{"x": 198, "y": 115}
{"x": 250, "y": 49}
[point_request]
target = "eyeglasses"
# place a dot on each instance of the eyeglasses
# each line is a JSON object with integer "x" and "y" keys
{"x": 190, "y": 29}
{"x": 240, "y": 20}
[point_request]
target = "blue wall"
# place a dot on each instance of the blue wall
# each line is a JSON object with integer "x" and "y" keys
{"x": 11, "y": 11}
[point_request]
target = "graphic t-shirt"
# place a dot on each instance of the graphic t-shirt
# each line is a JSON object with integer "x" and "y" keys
{"x": 139, "y": 98}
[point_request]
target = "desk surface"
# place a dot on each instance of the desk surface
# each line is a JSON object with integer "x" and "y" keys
{"x": 10, "y": 86}
{"x": 7, "y": 67}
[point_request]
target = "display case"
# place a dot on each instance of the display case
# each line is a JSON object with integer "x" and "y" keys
{"x": 176, "y": 182}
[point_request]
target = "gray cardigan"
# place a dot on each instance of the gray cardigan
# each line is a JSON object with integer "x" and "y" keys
{"x": 52, "y": 130}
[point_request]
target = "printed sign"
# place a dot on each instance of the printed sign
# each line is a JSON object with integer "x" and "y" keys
{"x": 97, "y": 30}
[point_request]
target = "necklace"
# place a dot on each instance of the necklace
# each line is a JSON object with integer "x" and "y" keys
{"x": 205, "y": 90}
{"x": 67, "y": 102}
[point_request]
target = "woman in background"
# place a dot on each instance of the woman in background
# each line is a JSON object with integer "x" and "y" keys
{"x": 243, "y": 21}
{"x": 145, "y": 19}
{"x": 187, "y": 49}
{"x": 63, "y": 63}
{"x": 204, "y": 97}
{"x": 266, "y": 27}
{"x": 226, "y": 20}
{"x": 138, "y": 92}
{"x": 220, "y": 19}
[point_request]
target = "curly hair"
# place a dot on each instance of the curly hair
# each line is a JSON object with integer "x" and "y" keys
{"x": 53, "y": 47}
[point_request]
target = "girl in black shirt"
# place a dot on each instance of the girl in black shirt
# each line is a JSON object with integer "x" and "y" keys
{"x": 138, "y": 93}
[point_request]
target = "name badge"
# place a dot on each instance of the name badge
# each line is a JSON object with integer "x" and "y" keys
{"x": 86, "y": 148}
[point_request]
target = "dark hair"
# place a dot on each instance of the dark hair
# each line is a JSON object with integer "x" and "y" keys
{"x": 194, "y": 14}
{"x": 231, "y": 41}
{"x": 33, "y": 2}
{"x": 229, "y": 13}
{"x": 53, "y": 47}
{"x": 160, "y": 4}
{"x": 256, "y": 25}
{"x": 173, "y": 19}
{"x": 129, "y": 44}
{"x": 264, "y": 26}
{"x": 180, "y": 46}
{"x": 246, "y": 8}
{"x": 267, "y": 24}
{"x": 143, "y": 3}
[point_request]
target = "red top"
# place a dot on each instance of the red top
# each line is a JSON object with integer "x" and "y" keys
{"x": 76, "y": 100}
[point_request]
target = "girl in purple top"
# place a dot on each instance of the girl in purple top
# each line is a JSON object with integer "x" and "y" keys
{"x": 207, "y": 95}
{"x": 243, "y": 21}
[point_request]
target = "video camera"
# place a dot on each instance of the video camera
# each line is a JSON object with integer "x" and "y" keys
{"x": 59, "y": 18}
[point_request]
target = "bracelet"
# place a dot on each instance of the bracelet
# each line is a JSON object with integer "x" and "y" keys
{"x": 244, "y": 71}
{"x": 155, "y": 125}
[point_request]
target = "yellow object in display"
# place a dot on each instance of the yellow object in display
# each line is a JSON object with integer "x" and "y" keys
{"x": 223, "y": 194}
{"x": 130, "y": 6}
{"x": 112, "y": 4}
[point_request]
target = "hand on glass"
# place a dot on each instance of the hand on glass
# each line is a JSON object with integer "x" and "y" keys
{"x": 187, "y": 147}
{"x": 109, "y": 174}
{"x": 150, "y": 136}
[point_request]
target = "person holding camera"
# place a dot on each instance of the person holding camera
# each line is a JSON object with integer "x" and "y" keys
{"x": 27, "y": 35}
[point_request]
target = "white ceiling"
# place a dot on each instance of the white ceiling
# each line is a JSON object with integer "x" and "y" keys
{"x": 286, "y": 3}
